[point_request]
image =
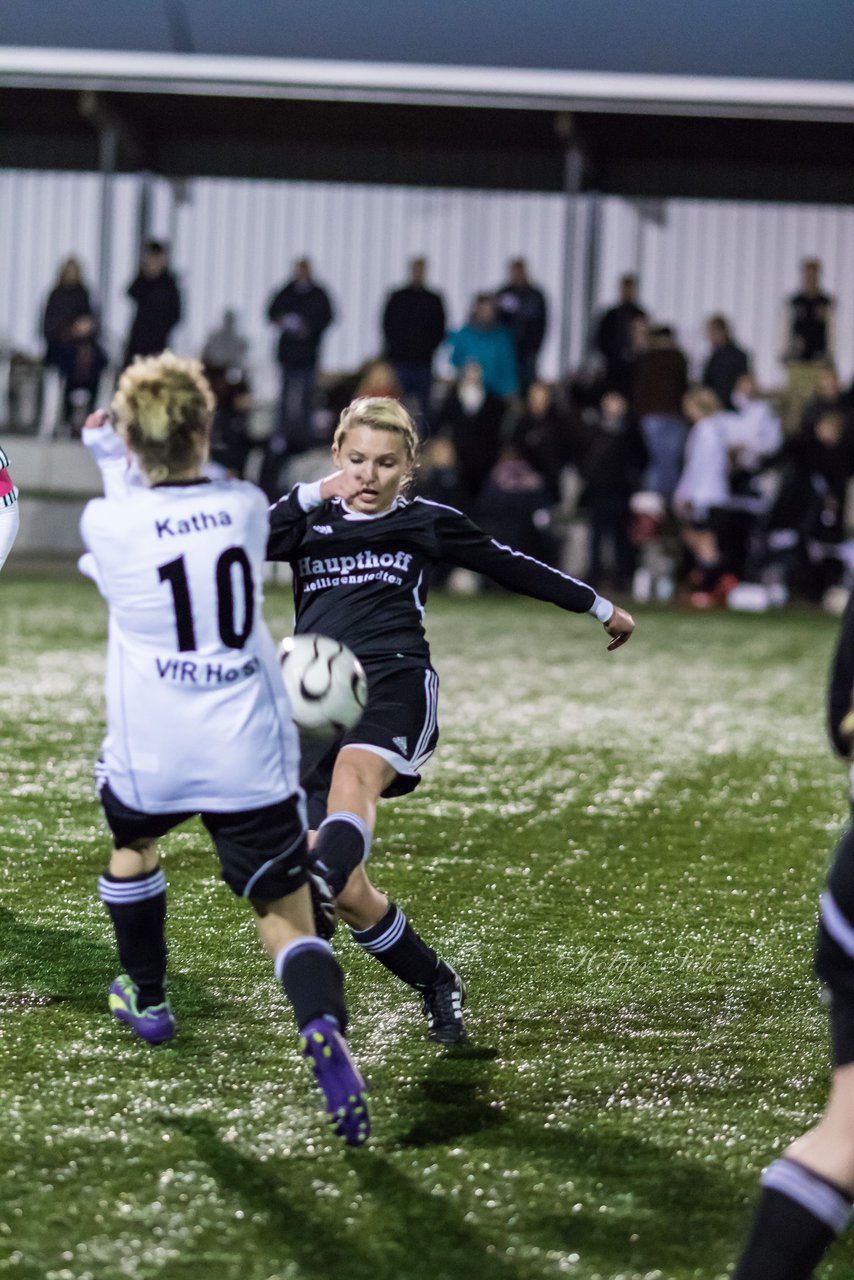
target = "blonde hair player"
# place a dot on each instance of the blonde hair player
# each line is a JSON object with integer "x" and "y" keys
{"x": 361, "y": 552}
{"x": 10, "y": 516}
{"x": 197, "y": 718}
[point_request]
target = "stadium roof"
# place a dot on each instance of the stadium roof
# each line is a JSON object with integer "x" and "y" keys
{"x": 750, "y": 98}
{"x": 765, "y": 39}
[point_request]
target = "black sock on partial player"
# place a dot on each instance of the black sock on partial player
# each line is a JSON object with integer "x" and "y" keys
{"x": 137, "y": 907}
{"x": 394, "y": 942}
{"x": 313, "y": 981}
{"x": 343, "y": 842}
{"x": 798, "y": 1217}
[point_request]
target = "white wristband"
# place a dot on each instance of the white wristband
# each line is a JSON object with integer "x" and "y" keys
{"x": 602, "y": 609}
{"x": 308, "y": 495}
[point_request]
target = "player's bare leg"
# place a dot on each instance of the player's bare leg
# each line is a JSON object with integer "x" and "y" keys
{"x": 378, "y": 925}
{"x": 828, "y": 1148}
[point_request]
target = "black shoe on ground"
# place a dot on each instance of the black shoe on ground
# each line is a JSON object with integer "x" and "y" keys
{"x": 443, "y": 1005}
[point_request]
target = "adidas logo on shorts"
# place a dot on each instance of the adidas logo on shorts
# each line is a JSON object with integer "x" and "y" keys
{"x": 401, "y": 743}
{"x": 323, "y": 528}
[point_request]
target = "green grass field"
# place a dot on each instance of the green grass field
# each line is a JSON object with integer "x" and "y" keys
{"x": 621, "y": 851}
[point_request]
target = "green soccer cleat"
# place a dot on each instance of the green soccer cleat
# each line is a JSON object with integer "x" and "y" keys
{"x": 154, "y": 1025}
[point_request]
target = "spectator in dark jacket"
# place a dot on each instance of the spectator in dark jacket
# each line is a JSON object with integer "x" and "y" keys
{"x": 540, "y": 436}
{"x": 522, "y": 308}
{"x": 614, "y": 337}
{"x": 302, "y": 312}
{"x": 661, "y": 378}
{"x": 158, "y": 303}
{"x": 727, "y": 362}
{"x": 413, "y": 327}
{"x": 612, "y": 462}
{"x": 70, "y": 329}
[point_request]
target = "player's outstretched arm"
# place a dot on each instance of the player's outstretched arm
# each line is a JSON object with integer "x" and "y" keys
{"x": 619, "y": 626}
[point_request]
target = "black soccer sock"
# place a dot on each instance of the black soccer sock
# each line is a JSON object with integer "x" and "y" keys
{"x": 343, "y": 842}
{"x": 313, "y": 981}
{"x": 798, "y": 1217}
{"x": 137, "y": 907}
{"x": 394, "y": 942}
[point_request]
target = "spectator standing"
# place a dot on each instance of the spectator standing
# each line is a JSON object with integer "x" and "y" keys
{"x": 726, "y": 363}
{"x": 487, "y": 343}
{"x": 612, "y": 461}
{"x": 158, "y": 303}
{"x": 414, "y": 326}
{"x": 809, "y": 337}
{"x": 661, "y": 378}
{"x": 615, "y": 339}
{"x": 473, "y": 416}
{"x": 302, "y": 312}
{"x": 522, "y": 309}
{"x": 70, "y": 329}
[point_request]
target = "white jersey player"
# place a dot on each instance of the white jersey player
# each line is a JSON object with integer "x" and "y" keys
{"x": 197, "y": 718}
{"x": 9, "y": 509}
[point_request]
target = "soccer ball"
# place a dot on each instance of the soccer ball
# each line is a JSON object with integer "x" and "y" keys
{"x": 324, "y": 682}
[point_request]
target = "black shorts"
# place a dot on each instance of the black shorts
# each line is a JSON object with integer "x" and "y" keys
{"x": 262, "y": 852}
{"x": 399, "y": 723}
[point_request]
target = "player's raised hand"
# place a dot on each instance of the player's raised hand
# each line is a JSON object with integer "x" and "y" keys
{"x": 100, "y": 418}
{"x": 341, "y": 484}
{"x": 619, "y": 626}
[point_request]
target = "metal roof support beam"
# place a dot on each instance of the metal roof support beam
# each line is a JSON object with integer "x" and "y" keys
{"x": 108, "y": 146}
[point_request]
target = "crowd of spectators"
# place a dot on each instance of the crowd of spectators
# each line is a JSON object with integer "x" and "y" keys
{"x": 679, "y": 484}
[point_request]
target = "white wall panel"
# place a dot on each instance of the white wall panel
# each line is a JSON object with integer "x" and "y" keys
{"x": 234, "y": 242}
{"x": 697, "y": 257}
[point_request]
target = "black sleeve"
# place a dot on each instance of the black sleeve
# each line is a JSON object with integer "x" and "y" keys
{"x": 278, "y": 305}
{"x": 287, "y": 526}
{"x": 174, "y": 302}
{"x": 840, "y": 692}
{"x": 461, "y": 542}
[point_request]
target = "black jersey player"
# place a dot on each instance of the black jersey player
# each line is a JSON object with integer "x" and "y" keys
{"x": 361, "y": 552}
{"x": 807, "y": 1194}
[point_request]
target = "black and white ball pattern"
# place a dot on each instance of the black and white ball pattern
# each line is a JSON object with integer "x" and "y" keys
{"x": 325, "y": 683}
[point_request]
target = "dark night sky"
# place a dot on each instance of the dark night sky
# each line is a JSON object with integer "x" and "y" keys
{"x": 791, "y": 39}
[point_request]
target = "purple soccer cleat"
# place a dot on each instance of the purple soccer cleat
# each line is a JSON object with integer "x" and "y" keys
{"x": 339, "y": 1079}
{"x": 153, "y": 1025}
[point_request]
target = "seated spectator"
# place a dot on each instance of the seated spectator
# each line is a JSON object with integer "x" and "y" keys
{"x": 702, "y": 493}
{"x": 805, "y": 526}
{"x": 661, "y": 376}
{"x": 472, "y": 417}
{"x": 70, "y": 328}
{"x": 225, "y": 347}
{"x": 612, "y": 462}
{"x": 726, "y": 363}
{"x": 753, "y": 430}
{"x": 487, "y": 343}
{"x": 827, "y": 397}
{"x": 541, "y": 436}
{"x": 224, "y": 356}
{"x": 514, "y": 508}
{"x": 378, "y": 378}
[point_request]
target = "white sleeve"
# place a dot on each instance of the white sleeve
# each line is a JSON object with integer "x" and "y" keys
{"x": 10, "y": 518}
{"x": 119, "y": 469}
